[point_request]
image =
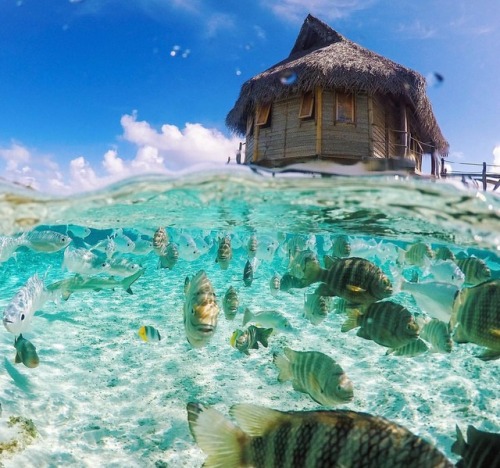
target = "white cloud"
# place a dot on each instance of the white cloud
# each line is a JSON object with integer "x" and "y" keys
{"x": 14, "y": 156}
{"x": 218, "y": 22}
{"x": 416, "y": 30}
{"x": 496, "y": 159}
{"x": 112, "y": 163}
{"x": 162, "y": 151}
{"x": 326, "y": 10}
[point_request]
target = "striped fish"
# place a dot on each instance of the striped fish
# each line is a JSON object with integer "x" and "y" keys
{"x": 266, "y": 438}
{"x": 252, "y": 246}
{"x": 316, "y": 308}
{"x": 149, "y": 333}
{"x": 275, "y": 284}
{"x": 482, "y": 449}
{"x": 444, "y": 253}
{"x": 248, "y": 274}
{"x": 356, "y": 280}
{"x": 316, "y": 374}
{"x": 160, "y": 240}
{"x": 230, "y": 303}
{"x": 200, "y": 310}
{"x": 250, "y": 338}
{"x": 475, "y": 270}
{"x": 413, "y": 348}
{"x": 476, "y": 311}
{"x": 341, "y": 247}
{"x": 26, "y": 352}
{"x": 437, "y": 333}
{"x": 169, "y": 256}
{"x": 224, "y": 253}
{"x": 387, "y": 323}
{"x": 418, "y": 254}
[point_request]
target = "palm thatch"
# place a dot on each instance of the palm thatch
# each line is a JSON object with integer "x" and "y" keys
{"x": 321, "y": 57}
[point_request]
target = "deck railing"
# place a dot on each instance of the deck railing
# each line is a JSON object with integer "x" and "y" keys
{"x": 482, "y": 178}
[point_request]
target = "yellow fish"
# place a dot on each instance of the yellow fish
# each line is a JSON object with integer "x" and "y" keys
{"x": 148, "y": 333}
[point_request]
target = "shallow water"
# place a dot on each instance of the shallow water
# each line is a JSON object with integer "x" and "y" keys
{"x": 103, "y": 397}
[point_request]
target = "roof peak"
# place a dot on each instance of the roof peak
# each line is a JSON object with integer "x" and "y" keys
{"x": 313, "y": 35}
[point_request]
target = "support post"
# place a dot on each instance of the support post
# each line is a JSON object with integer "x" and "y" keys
{"x": 319, "y": 121}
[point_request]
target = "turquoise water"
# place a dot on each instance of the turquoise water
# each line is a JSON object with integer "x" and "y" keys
{"x": 103, "y": 397}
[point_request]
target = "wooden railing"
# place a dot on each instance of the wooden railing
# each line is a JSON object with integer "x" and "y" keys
{"x": 486, "y": 180}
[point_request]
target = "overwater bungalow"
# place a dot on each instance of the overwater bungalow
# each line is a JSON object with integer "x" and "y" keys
{"x": 336, "y": 101}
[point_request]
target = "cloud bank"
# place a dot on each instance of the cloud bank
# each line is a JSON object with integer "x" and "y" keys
{"x": 165, "y": 151}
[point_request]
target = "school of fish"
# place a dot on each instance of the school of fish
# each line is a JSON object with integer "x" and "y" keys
{"x": 458, "y": 296}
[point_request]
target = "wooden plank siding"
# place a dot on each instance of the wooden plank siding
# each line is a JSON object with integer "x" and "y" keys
{"x": 341, "y": 140}
{"x": 377, "y": 131}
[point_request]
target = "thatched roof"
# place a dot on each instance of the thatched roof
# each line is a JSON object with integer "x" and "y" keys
{"x": 323, "y": 57}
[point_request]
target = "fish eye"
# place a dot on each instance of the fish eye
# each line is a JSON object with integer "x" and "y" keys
{"x": 22, "y": 316}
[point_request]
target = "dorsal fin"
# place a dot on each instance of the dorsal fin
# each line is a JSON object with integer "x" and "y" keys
{"x": 255, "y": 420}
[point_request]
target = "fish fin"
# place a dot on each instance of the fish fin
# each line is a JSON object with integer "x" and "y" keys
{"x": 255, "y": 420}
{"x": 284, "y": 367}
{"x": 489, "y": 355}
{"x": 495, "y": 332}
{"x": 354, "y": 288}
{"x": 459, "y": 335}
{"x": 255, "y": 345}
{"x": 390, "y": 351}
{"x": 65, "y": 295}
{"x": 459, "y": 446}
{"x": 247, "y": 316}
{"x": 263, "y": 336}
{"x": 352, "y": 320}
{"x": 17, "y": 359}
{"x": 362, "y": 333}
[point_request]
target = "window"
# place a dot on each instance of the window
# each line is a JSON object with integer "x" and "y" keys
{"x": 307, "y": 106}
{"x": 344, "y": 104}
{"x": 249, "y": 125}
{"x": 263, "y": 115}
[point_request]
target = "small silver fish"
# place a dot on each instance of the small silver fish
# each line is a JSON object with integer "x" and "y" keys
{"x": 45, "y": 241}
{"x": 18, "y": 314}
{"x": 268, "y": 319}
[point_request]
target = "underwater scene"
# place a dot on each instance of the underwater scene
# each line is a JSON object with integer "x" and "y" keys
{"x": 241, "y": 319}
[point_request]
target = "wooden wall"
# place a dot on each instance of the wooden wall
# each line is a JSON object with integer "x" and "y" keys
{"x": 290, "y": 138}
{"x": 343, "y": 139}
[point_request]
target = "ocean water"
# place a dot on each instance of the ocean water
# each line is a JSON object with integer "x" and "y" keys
{"x": 101, "y": 396}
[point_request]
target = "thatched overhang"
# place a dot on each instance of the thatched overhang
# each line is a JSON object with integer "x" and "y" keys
{"x": 321, "y": 57}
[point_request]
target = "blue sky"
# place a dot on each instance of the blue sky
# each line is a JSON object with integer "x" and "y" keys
{"x": 95, "y": 90}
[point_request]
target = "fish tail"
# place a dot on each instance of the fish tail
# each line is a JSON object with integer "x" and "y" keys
{"x": 263, "y": 336}
{"x": 218, "y": 437}
{"x": 352, "y": 321}
{"x": 247, "y": 316}
{"x": 130, "y": 280}
{"x": 284, "y": 367}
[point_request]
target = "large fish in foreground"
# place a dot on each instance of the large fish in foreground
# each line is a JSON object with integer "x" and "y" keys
{"x": 267, "y": 438}
{"x": 200, "y": 310}
{"x": 316, "y": 374}
{"x": 477, "y": 313}
{"x": 18, "y": 314}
